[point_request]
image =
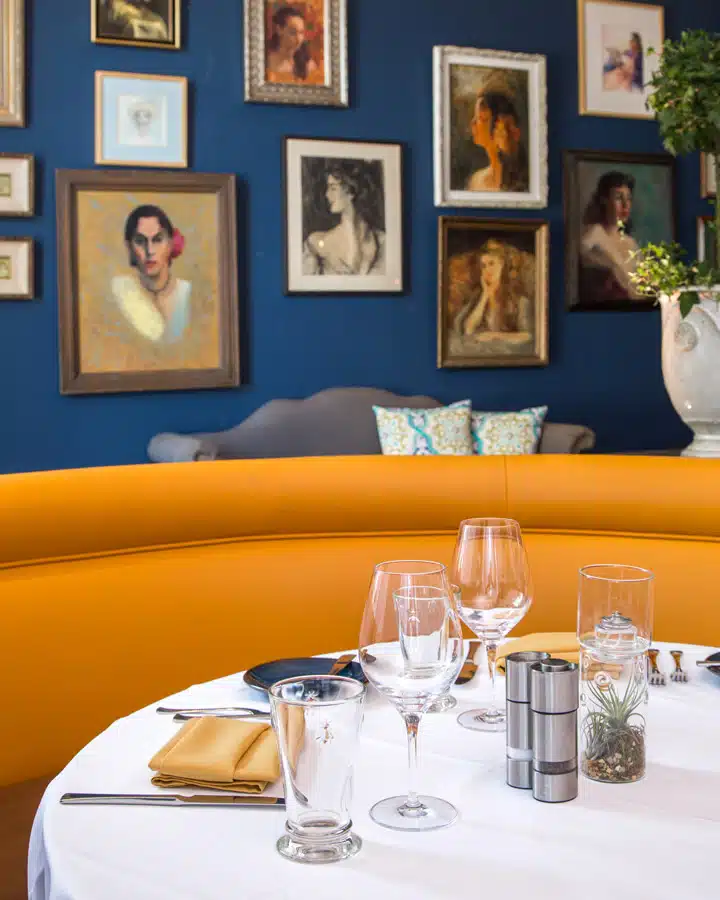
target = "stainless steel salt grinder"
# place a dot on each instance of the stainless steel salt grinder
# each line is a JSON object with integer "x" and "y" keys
{"x": 519, "y": 722}
{"x": 554, "y": 691}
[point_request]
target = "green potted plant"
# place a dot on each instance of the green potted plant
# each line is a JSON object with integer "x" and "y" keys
{"x": 686, "y": 102}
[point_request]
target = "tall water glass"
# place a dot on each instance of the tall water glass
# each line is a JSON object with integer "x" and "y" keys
{"x": 317, "y": 720}
{"x": 490, "y": 567}
{"x": 411, "y": 652}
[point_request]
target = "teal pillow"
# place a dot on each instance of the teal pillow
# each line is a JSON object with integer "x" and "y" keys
{"x": 444, "y": 431}
{"x": 507, "y": 433}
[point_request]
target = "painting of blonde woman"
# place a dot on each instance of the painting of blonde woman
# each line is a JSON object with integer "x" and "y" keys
{"x": 615, "y": 203}
{"x": 493, "y": 293}
{"x": 140, "y": 23}
{"x": 295, "y": 42}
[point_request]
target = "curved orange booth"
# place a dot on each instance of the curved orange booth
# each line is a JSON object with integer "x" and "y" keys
{"x": 119, "y": 586}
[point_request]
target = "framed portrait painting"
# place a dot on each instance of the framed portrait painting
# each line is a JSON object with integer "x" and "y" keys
{"x": 706, "y": 244}
{"x": 148, "y": 281}
{"x": 12, "y": 70}
{"x": 490, "y": 128}
{"x": 17, "y": 184}
{"x": 140, "y": 120}
{"x": 136, "y": 23}
{"x": 614, "y": 204}
{"x": 343, "y": 217}
{"x": 614, "y": 66}
{"x": 708, "y": 180}
{"x": 296, "y": 52}
{"x": 16, "y": 268}
{"x": 492, "y": 292}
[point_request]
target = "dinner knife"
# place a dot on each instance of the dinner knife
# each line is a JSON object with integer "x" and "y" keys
{"x": 212, "y": 710}
{"x": 708, "y": 663}
{"x": 226, "y": 714}
{"x": 171, "y": 800}
{"x": 342, "y": 662}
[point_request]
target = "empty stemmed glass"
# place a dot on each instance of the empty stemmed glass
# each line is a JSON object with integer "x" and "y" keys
{"x": 490, "y": 567}
{"x": 411, "y": 652}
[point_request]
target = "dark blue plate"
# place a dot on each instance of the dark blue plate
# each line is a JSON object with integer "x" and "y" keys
{"x": 266, "y": 674}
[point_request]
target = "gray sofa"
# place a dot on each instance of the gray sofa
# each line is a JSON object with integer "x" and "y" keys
{"x": 334, "y": 422}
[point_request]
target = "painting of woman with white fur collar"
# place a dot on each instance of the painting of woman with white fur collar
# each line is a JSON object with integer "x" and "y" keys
{"x": 153, "y": 300}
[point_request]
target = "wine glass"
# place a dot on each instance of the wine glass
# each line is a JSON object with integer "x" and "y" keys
{"x": 491, "y": 569}
{"x": 411, "y": 650}
{"x": 447, "y": 701}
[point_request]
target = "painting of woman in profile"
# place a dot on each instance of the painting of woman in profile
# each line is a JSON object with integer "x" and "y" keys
{"x": 294, "y": 52}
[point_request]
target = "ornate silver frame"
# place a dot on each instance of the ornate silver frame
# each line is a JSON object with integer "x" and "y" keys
{"x": 259, "y": 90}
{"x": 537, "y": 196}
{"x": 12, "y": 82}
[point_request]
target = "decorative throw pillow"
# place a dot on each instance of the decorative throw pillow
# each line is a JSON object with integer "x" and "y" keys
{"x": 507, "y": 433}
{"x": 444, "y": 431}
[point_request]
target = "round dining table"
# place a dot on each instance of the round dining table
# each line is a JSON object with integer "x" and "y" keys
{"x": 658, "y": 837}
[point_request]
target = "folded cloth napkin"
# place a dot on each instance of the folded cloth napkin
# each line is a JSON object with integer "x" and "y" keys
{"x": 560, "y": 644}
{"x": 224, "y": 754}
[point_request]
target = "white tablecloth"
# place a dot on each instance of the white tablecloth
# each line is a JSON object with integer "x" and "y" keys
{"x": 658, "y": 838}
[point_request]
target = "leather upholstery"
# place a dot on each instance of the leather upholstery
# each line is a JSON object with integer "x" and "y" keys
{"x": 121, "y": 585}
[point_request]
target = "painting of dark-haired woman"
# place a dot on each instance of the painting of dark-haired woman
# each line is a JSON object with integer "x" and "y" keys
{"x": 140, "y": 23}
{"x": 294, "y": 42}
{"x": 615, "y": 203}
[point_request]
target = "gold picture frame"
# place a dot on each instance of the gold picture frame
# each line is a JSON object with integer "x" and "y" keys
{"x": 708, "y": 188}
{"x": 17, "y": 185}
{"x": 167, "y": 19}
{"x": 121, "y": 139}
{"x": 17, "y": 268}
{"x": 627, "y": 98}
{"x": 12, "y": 53}
{"x": 505, "y": 328}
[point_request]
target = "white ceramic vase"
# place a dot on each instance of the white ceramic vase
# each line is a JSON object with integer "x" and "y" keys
{"x": 691, "y": 368}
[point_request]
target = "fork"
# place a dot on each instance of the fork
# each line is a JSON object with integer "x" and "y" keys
{"x": 679, "y": 674}
{"x": 656, "y": 676}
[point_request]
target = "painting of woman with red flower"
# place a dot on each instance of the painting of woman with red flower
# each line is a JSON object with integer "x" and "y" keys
{"x": 295, "y": 42}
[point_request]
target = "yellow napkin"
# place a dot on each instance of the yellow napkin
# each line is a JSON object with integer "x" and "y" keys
{"x": 224, "y": 754}
{"x": 560, "y": 644}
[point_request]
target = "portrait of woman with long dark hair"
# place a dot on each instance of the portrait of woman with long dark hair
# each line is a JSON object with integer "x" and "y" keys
{"x": 294, "y": 44}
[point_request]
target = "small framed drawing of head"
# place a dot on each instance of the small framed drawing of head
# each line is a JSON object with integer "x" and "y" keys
{"x": 296, "y": 52}
{"x": 343, "y": 217}
{"x": 492, "y": 292}
{"x": 147, "y": 281}
{"x": 614, "y": 65}
{"x": 708, "y": 177}
{"x": 136, "y": 23}
{"x": 16, "y": 268}
{"x": 614, "y": 204}
{"x": 140, "y": 120}
{"x": 17, "y": 184}
{"x": 706, "y": 242}
{"x": 490, "y": 128}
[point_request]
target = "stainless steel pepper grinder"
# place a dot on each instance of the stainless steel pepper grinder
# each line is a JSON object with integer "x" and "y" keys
{"x": 554, "y": 701}
{"x": 519, "y": 720}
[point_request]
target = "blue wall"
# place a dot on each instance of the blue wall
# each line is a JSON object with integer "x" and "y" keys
{"x": 604, "y": 369}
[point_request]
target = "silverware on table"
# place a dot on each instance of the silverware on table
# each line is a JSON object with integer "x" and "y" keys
{"x": 708, "y": 663}
{"x": 470, "y": 667}
{"x": 227, "y": 714}
{"x": 678, "y": 673}
{"x": 342, "y": 662}
{"x": 171, "y": 800}
{"x": 213, "y": 710}
{"x": 656, "y": 676}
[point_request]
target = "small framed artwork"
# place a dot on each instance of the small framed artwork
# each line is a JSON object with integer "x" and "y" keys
{"x": 296, "y": 52}
{"x": 16, "y": 268}
{"x": 490, "y": 128}
{"x": 492, "y": 292}
{"x": 708, "y": 181}
{"x": 614, "y": 66}
{"x": 706, "y": 243}
{"x": 17, "y": 184}
{"x": 140, "y": 120}
{"x": 614, "y": 203}
{"x": 343, "y": 214}
{"x": 136, "y": 23}
{"x": 148, "y": 284}
{"x": 12, "y": 70}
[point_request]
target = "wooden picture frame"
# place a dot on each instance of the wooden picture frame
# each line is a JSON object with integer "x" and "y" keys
{"x": 613, "y": 64}
{"x": 158, "y": 27}
{"x": 17, "y": 185}
{"x": 148, "y": 283}
{"x": 17, "y": 268}
{"x": 504, "y": 324}
{"x": 475, "y": 92}
{"x": 645, "y": 184}
{"x": 367, "y": 178}
{"x": 317, "y": 73}
{"x": 12, "y": 70}
{"x": 141, "y": 120}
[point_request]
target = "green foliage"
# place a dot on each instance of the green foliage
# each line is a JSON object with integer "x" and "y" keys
{"x": 661, "y": 269}
{"x": 615, "y": 720}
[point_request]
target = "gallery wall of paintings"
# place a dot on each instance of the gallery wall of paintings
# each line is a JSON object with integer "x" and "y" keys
{"x": 205, "y": 206}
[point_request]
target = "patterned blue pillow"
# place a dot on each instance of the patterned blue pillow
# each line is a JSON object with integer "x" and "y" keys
{"x": 507, "y": 433}
{"x": 444, "y": 431}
